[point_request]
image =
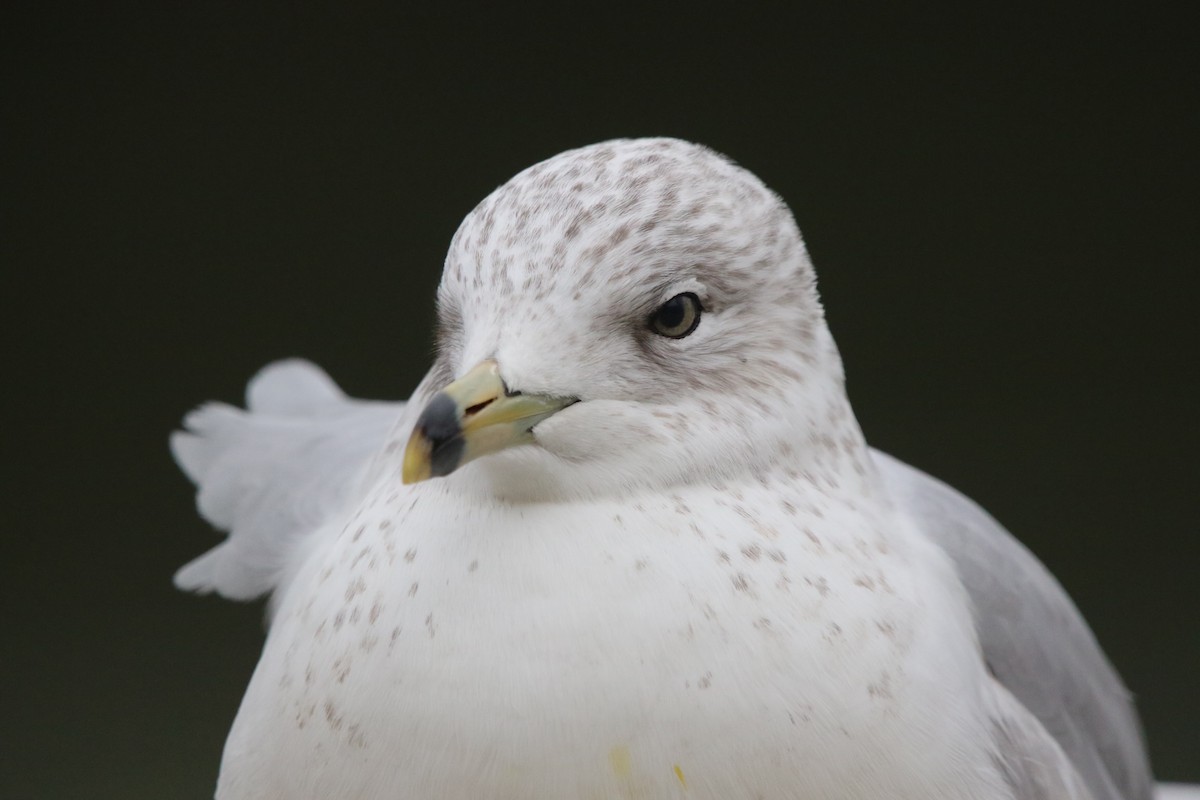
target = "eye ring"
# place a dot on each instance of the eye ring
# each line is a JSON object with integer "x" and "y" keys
{"x": 677, "y": 317}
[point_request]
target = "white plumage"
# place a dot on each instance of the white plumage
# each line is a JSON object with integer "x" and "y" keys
{"x": 698, "y": 581}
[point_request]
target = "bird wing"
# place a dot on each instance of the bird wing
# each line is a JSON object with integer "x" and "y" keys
{"x": 273, "y": 474}
{"x": 1035, "y": 642}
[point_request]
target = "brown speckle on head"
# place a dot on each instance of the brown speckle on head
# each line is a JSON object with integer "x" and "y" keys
{"x": 560, "y": 276}
{"x": 355, "y": 737}
{"x": 812, "y": 537}
{"x": 332, "y": 716}
{"x": 341, "y": 668}
{"x": 362, "y": 554}
{"x": 882, "y": 688}
{"x": 820, "y": 584}
{"x": 865, "y": 581}
{"x": 356, "y": 587}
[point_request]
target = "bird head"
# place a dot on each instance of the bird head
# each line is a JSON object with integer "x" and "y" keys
{"x": 633, "y": 313}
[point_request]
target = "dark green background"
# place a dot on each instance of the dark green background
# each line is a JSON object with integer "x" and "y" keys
{"x": 1001, "y": 205}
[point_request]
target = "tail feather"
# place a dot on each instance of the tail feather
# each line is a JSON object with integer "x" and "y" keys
{"x": 273, "y": 475}
{"x": 292, "y": 387}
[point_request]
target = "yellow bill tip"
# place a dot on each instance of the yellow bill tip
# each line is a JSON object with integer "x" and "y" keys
{"x": 417, "y": 460}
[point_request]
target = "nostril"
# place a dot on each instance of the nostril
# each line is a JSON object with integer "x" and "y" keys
{"x": 475, "y": 409}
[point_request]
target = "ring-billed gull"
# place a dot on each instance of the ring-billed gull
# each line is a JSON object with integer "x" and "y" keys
{"x": 626, "y": 540}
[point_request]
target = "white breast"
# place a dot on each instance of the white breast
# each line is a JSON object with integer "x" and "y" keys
{"x": 731, "y": 643}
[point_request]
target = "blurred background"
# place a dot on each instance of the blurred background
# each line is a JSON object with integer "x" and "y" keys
{"x": 1001, "y": 206}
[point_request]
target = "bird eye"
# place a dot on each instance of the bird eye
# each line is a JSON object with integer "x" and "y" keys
{"x": 677, "y": 317}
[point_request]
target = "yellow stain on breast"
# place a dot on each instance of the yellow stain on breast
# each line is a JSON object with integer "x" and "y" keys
{"x": 621, "y": 761}
{"x": 622, "y": 764}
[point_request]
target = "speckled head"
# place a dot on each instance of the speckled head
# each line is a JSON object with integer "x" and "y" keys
{"x": 557, "y": 274}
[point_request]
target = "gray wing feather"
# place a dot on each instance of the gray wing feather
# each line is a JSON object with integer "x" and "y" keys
{"x": 1034, "y": 640}
{"x": 1028, "y": 758}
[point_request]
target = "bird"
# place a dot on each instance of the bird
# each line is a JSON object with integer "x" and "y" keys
{"x": 626, "y": 539}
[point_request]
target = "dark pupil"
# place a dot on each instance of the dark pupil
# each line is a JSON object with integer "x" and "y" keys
{"x": 671, "y": 314}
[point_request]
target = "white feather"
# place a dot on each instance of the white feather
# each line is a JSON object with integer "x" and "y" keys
{"x": 273, "y": 474}
{"x": 699, "y": 583}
